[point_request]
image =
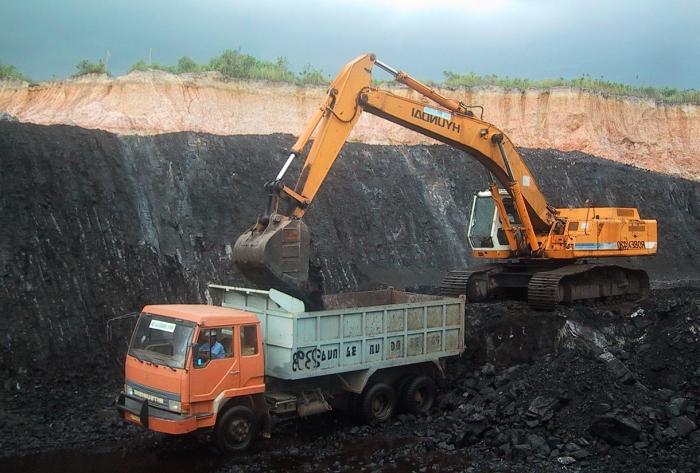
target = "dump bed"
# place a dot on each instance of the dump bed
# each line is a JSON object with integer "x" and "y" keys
{"x": 356, "y": 331}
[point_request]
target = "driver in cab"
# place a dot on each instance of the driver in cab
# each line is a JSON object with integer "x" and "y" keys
{"x": 211, "y": 349}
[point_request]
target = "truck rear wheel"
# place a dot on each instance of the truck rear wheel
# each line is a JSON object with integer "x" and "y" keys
{"x": 378, "y": 403}
{"x": 236, "y": 429}
{"x": 418, "y": 395}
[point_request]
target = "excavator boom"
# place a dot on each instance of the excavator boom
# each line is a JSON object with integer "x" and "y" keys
{"x": 275, "y": 252}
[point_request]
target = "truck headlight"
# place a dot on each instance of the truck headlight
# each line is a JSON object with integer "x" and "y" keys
{"x": 129, "y": 391}
{"x": 174, "y": 405}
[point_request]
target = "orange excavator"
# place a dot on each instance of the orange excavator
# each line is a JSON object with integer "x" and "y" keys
{"x": 534, "y": 250}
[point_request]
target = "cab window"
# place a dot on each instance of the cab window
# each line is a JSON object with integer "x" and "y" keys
{"x": 249, "y": 340}
{"x": 482, "y": 223}
{"x": 213, "y": 344}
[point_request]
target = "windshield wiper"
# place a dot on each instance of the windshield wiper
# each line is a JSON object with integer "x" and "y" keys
{"x": 145, "y": 357}
{"x": 135, "y": 356}
{"x": 162, "y": 363}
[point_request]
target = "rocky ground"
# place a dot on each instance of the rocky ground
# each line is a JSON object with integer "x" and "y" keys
{"x": 94, "y": 225}
{"x": 600, "y": 389}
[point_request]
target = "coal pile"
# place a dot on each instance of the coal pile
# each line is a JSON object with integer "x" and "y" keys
{"x": 620, "y": 388}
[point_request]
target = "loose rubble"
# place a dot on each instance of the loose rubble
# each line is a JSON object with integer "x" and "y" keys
{"x": 614, "y": 388}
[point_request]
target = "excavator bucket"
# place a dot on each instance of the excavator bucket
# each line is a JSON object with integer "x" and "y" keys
{"x": 278, "y": 256}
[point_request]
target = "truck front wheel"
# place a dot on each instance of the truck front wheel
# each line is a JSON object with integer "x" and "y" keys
{"x": 378, "y": 403}
{"x": 418, "y": 395}
{"x": 236, "y": 429}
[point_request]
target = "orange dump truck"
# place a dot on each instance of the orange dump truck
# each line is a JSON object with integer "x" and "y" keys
{"x": 236, "y": 368}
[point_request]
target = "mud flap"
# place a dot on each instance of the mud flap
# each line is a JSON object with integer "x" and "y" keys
{"x": 143, "y": 415}
{"x": 262, "y": 409}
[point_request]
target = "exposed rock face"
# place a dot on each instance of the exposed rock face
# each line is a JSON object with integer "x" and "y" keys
{"x": 632, "y": 131}
{"x": 95, "y": 225}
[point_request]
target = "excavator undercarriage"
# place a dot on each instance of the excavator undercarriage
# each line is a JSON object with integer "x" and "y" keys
{"x": 546, "y": 284}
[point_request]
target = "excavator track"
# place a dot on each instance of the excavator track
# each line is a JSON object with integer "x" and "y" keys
{"x": 456, "y": 282}
{"x": 584, "y": 283}
{"x": 543, "y": 290}
{"x": 546, "y": 286}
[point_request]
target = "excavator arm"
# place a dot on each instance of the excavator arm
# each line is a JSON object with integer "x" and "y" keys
{"x": 275, "y": 252}
{"x": 453, "y": 124}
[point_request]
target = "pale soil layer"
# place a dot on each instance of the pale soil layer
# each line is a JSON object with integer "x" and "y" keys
{"x": 640, "y": 132}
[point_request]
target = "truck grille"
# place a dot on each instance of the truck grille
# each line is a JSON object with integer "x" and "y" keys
{"x": 153, "y": 396}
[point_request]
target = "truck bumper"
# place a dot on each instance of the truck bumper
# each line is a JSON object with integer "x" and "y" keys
{"x": 137, "y": 411}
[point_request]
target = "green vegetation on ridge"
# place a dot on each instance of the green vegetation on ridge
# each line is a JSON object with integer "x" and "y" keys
{"x": 608, "y": 88}
{"x": 86, "y": 67}
{"x": 232, "y": 63}
{"x": 10, "y": 72}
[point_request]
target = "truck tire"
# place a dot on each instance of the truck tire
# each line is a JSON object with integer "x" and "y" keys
{"x": 378, "y": 403}
{"x": 236, "y": 429}
{"x": 418, "y": 395}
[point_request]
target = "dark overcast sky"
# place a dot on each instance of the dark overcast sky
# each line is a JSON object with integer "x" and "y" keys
{"x": 634, "y": 41}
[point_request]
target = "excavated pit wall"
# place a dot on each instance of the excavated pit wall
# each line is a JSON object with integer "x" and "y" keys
{"x": 630, "y": 130}
{"x": 95, "y": 225}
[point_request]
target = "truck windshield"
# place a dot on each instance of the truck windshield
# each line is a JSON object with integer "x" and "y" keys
{"x": 161, "y": 340}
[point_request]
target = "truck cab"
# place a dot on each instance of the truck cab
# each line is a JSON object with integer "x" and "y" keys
{"x": 188, "y": 363}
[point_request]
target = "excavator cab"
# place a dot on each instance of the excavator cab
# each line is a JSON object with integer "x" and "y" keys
{"x": 485, "y": 229}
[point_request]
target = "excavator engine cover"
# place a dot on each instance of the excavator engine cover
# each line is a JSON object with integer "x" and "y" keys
{"x": 277, "y": 256}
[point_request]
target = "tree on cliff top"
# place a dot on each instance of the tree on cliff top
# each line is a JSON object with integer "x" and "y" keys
{"x": 10, "y": 72}
{"x": 141, "y": 65}
{"x": 312, "y": 76}
{"x": 186, "y": 64}
{"x": 87, "y": 67}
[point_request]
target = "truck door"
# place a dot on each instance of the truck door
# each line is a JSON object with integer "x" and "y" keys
{"x": 251, "y": 356}
{"x": 215, "y": 367}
